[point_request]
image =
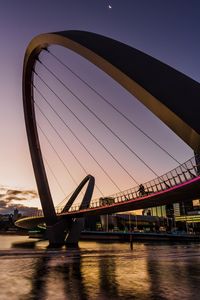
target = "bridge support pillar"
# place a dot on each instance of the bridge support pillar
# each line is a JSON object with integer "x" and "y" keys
{"x": 74, "y": 234}
{"x": 56, "y": 234}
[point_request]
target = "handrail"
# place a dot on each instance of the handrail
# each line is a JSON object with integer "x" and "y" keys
{"x": 182, "y": 173}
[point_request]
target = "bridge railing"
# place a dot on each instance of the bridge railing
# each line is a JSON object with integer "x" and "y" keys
{"x": 179, "y": 175}
{"x": 185, "y": 172}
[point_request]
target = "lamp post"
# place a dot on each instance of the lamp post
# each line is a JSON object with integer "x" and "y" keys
{"x": 135, "y": 221}
{"x": 129, "y": 218}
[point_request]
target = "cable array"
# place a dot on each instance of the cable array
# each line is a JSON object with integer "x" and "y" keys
{"x": 82, "y": 123}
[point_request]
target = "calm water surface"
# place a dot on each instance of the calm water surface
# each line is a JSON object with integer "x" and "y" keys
{"x": 98, "y": 271}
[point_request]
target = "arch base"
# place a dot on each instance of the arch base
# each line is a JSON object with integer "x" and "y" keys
{"x": 56, "y": 234}
{"x": 74, "y": 234}
{"x": 65, "y": 232}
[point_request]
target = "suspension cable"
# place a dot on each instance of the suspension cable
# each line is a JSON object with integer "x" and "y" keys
{"x": 105, "y": 172}
{"x": 62, "y": 203}
{"x": 77, "y": 160}
{"x": 54, "y": 176}
{"x": 111, "y": 105}
{"x": 91, "y": 133}
{"x": 64, "y": 200}
{"x": 93, "y": 113}
{"x": 61, "y": 160}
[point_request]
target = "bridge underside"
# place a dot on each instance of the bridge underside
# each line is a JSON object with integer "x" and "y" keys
{"x": 180, "y": 193}
{"x": 169, "y": 94}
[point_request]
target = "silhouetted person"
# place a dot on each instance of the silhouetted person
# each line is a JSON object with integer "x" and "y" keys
{"x": 141, "y": 190}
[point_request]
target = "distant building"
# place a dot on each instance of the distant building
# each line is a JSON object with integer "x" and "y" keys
{"x": 16, "y": 214}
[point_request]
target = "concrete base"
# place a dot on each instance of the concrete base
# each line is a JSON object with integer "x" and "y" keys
{"x": 74, "y": 233}
{"x": 56, "y": 234}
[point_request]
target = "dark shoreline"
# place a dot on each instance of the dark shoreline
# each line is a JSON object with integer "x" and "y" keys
{"x": 119, "y": 236}
{"x": 138, "y": 236}
{"x": 22, "y": 233}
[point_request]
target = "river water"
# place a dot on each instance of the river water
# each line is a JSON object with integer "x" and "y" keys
{"x": 98, "y": 271}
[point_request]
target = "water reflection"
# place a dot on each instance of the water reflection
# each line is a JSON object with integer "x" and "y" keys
{"x": 107, "y": 276}
{"x": 174, "y": 275}
{"x": 39, "y": 278}
{"x": 101, "y": 271}
{"x": 58, "y": 277}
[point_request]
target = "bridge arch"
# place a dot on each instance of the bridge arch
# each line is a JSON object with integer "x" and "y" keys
{"x": 87, "y": 196}
{"x": 169, "y": 94}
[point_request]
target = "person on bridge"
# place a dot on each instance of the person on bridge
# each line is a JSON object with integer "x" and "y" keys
{"x": 141, "y": 190}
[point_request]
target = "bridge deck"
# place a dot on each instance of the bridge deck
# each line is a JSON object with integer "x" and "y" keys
{"x": 185, "y": 191}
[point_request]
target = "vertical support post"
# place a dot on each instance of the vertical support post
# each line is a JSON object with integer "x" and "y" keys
{"x": 197, "y": 159}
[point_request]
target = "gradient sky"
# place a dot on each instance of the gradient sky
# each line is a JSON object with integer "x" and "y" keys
{"x": 167, "y": 30}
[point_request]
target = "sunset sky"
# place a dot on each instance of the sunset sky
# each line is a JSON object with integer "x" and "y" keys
{"x": 166, "y": 30}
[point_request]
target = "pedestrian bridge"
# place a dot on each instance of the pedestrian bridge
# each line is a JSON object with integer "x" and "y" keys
{"x": 72, "y": 126}
{"x": 179, "y": 185}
